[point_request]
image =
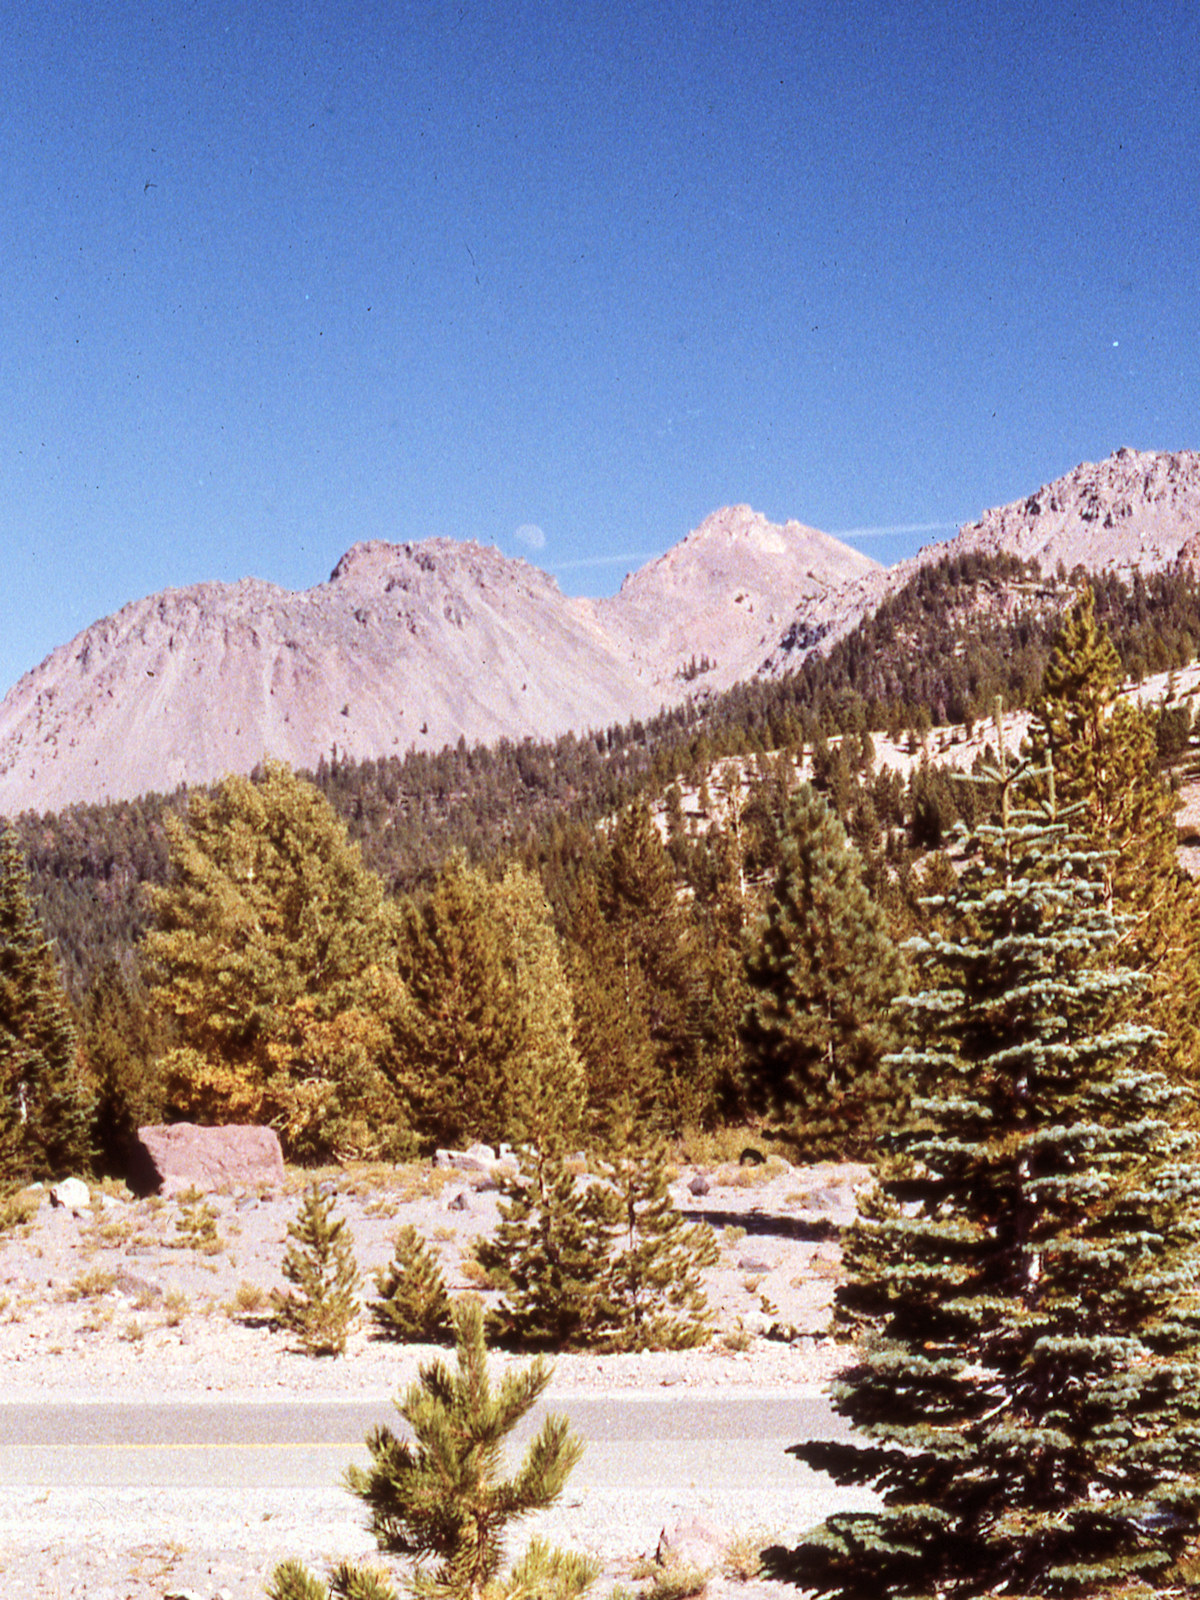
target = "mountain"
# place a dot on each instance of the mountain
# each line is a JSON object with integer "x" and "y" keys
{"x": 416, "y": 645}
{"x": 725, "y": 594}
{"x": 406, "y": 645}
{"x": 1139, "y": 510}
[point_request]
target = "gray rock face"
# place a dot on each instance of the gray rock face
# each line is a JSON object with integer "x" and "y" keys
{"x": 182, "y": 1156}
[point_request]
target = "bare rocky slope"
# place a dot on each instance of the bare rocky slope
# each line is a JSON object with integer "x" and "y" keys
{"x": 406, "y": 645}
{"x": 417, "y": 645}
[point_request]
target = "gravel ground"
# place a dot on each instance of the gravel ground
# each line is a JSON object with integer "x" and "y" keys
{"x": 116, "y": 1302}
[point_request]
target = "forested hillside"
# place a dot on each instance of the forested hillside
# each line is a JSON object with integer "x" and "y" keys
{"x": 661, "y": 928}
{"x": 961, "y": 632}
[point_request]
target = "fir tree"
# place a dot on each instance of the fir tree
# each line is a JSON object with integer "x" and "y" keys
{"x": 1025, "y": 1284}
{"x": 549, "y": 1254}
{"x": 320, "y": 1263}
{"x": 45, "y": 1109}
{"x": 412, "y": 1304}
{"x": 823, "y": 971}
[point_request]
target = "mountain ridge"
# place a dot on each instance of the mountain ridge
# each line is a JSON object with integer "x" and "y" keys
{"x": 419, "y": 644}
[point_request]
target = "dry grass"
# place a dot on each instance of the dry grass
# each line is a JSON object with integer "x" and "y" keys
{"x": 17, "y": 1211}
{"x": 91, "y": 1285}
{"x": 249, "y": 1300}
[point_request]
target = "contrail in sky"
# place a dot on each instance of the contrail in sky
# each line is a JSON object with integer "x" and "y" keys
{"x": 602, "y": 561}
{"x": 899, "y": 527}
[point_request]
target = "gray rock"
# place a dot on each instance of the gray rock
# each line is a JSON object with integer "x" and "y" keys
{"x": 72, "y": 1194}
{"x": 698, "y": 1185}
{"x": 129, "y": 1283}
{"x": 476, "y": 1158}
{"x": 458, "y": 1202}
{"x": 180, "y": 1155}
{"x": 690, "y": 1544}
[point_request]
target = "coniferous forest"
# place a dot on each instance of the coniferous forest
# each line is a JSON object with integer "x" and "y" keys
{"x": 659, "y": 920}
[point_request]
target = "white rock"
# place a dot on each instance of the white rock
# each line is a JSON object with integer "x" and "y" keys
{"x": 72, "y": 1193}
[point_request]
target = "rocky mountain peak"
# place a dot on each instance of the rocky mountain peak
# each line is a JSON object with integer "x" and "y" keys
{"x": 1137, "y": 509}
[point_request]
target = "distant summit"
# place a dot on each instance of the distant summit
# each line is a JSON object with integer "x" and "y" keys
{"x": 416, "y": 645}
{"x": 1136, "y": 510}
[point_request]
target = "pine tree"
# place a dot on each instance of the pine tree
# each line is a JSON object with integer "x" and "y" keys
{"x": 119, "y": 1046}
{"x": 550, "y": 1255}
{"x": 823, "y": 970}
{"x": 320, "y": 1263}
{"x": 45, "y": 1109}
{"x": 412, "y": 1304}
{"x": 483, "y": 1041}
{"x": 272, "y": 958}
{"x": 443, "y": 1496}
{"x": 1025, "y": 1284}
{"x": 654, "y": 1293}
{"x": 1104, "y": 754}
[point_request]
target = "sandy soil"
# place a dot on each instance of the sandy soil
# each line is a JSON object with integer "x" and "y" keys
{"x": 125, "y": 1299}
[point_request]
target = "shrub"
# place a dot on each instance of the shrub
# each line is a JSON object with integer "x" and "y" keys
{"x": 442, "y": 1497}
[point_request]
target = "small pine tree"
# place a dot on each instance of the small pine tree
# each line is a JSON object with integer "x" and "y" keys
{"x": 320, "y": 1263}
{"x": 655, "y": 1298}
{"x": 412, "y": 1304}
{"x": 1025, "y": 1283}
{"x": 45, "y": 1109}
{"x": 442, "y": 1496}
{"x": 549, "y": 1255}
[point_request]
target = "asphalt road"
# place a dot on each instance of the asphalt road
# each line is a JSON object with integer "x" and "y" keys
{"x": 186, "y": 1470}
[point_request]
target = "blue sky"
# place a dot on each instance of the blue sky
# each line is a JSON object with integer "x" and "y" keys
{"x": 565, "y": 278}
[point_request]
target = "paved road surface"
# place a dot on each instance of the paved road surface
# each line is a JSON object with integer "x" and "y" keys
{"x": 269, "y": 1473}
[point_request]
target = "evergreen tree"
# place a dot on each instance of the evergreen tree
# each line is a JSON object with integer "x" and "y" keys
{"x": 1026, "y": 1283}
{"x": 544, "y": 1083}
{"x": 323, "y": 1307}
{"x": 550, "y": 1255}
{"x": 272, "y": 959}
{"x": 1104, "y": 753}
{"x": 654, "y": 1293}
{"x": 443, "y": 1495}
{"x": 120, "y": 1044}
{"x": 412, "y": 1304}
{"x": 612, "y": 1011}
{"x": 823, "y": 971}
{"x": 482, "y": 1040}
{"x": 45, "y": 1109}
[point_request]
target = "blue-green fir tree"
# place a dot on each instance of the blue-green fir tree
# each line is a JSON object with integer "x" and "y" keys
{"x": 1027, "y": 1392}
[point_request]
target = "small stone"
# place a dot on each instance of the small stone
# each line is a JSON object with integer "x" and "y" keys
{"x": 698, "y": 1185}
{"x": 459, "y": 1202}
{"x": 72, "y": 1194}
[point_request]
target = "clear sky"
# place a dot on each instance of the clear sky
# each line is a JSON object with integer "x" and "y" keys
{"x": 566, "y": 276}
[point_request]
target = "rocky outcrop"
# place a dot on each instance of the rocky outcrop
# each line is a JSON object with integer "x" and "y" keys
{"x": 179, "y": 1155}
